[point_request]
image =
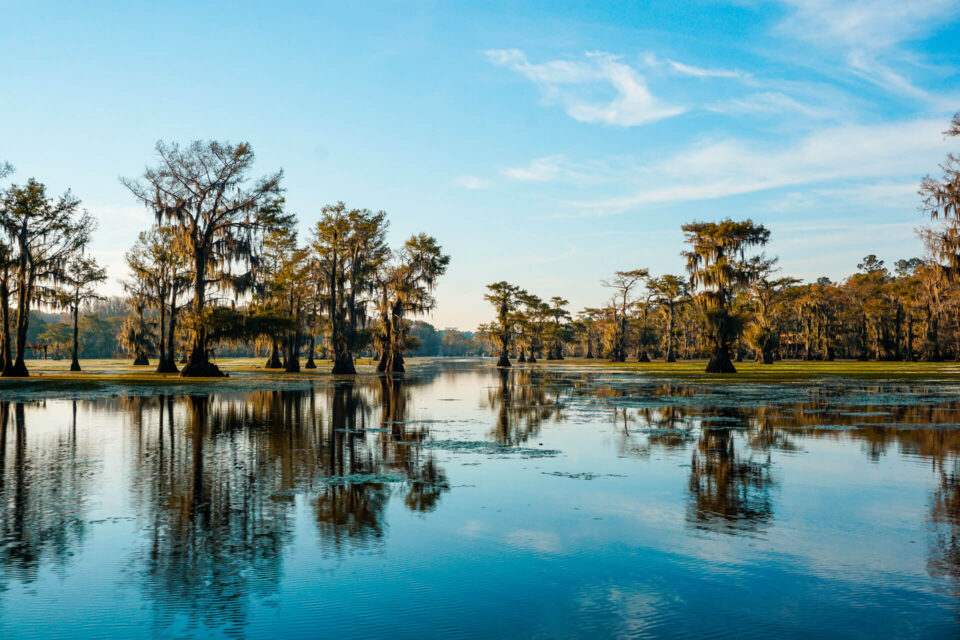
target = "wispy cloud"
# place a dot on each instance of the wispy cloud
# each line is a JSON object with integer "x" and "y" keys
{"x": 540, "y": 170}
{"x": 864, "y": 24}
{"x": 862, "y": 196}
{"x": 572, "y": 84}
{"x": 699, "y": 72}
{"x": 651, "y": 60}
{"x": 868, "y": 33}
{"x": 727, "y": 168}
{"x": 770, "y": 102}
{"x": 472, "y": 182}
{"x": 560, "y": 168}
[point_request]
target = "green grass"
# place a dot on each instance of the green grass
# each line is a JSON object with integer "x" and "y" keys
{"x": 121, "y": 371}
{"x": 782, "y": 371}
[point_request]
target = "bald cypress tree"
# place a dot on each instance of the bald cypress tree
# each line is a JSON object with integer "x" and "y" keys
{"x": 407, "y": 284}
{"x": 41, "y": 234}
{"x": 504, "y": 298}
{"x": 718, "y": 266}
{"x": 79, "y": 279}
{"x": 350, "y": 247}
{"x": 204, "y": 192}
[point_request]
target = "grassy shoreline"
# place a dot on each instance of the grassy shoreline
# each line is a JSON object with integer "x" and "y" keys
{"x": 782, "y": 371}
{"x": 121, "y": 371}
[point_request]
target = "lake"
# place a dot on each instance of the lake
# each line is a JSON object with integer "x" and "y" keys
{"x": 461, "y": 501}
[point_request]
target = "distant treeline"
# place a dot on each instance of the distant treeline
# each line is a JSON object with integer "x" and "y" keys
{"x": 732, "y": 303}
{"x": 50, "y": 336}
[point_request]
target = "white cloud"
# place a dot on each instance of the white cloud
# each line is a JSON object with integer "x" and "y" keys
{"x": 560, "y": 168}
{"x": 651, "y": 60}
{"x": 472, "y": 182}
{"x": 868, "y": 33}
{"x": 699, "y": 72}
{"x": 867, "y": 67}
{"x": 569, "y": 83}
{"x": 864, "y": 24}
{"x": 863, "y": 196}
{"x": 770, "y": 102}
{"x": 540, "y": 170}
{"x": 726, "y": 168}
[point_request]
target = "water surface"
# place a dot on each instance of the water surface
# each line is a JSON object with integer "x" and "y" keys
{"x": 461, "y": 501}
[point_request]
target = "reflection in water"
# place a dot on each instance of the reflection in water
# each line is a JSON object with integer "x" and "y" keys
{"x": 218, "y": 480}
{"x": 523, "y": 400}
{"x": 44, "y": 483}
{"x": 729, "y": 492}
{"x": 218, "y": 493}
{"x": 944, "y": 529}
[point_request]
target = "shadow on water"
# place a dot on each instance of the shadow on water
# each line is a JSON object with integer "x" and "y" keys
{"x": 222, "y": 484}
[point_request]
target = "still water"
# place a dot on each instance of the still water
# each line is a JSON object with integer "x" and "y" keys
{"x": 461, "y": 501}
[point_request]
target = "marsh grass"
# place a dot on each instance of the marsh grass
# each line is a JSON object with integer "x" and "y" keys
{"x": 781, "y": 371}
{"x": 54, "y": 375}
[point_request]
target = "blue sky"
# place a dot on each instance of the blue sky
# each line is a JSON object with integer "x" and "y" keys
{"x": 545, "y": 143}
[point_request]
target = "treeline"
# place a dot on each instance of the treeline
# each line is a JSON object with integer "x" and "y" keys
{"x": 426, "y": 340}
{"x": 732, "y": 303}
{"x": 221, "y": 268}
{"x": 50, "y": 337}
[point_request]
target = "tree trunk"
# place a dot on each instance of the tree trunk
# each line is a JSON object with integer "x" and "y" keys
{"x": 273, "y": 362}
{"x": 162, "y": 351}
{"x": 6, "y": 359}
{"x": 670, "y": 357}
{"x": 75, "y": 365}
{"x": 313, "y": 347}
{"x": 720, "y": 362}
{"x": 292, "y": 357}
{"x": 198, "y": 363}
{"x": 343, "y": 364}
{"x": 168, "y": 363}
{"x": 504, "y": 360}
{"x": 24, "y": 293}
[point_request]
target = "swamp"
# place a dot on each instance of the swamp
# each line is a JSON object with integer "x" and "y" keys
{"x": 550, "y": 501}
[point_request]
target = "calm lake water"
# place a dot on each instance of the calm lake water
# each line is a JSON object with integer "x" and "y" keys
{"x": 465, "y": 502}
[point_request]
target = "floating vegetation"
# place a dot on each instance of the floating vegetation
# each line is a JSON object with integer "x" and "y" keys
{"x": 913, "y": 426}
{"x": 584, "y": 475}
{"x": 361, "y": 478}
{"x": 862, "y": 414}
{"x": 483, "y": 446}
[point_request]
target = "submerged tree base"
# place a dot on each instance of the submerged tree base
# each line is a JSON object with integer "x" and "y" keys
{"x": 504, "y": 361}
{"x": 720, "y": 363}
{"x": 201, "y": 370}
{"x": 141, "y": 361}
{"x": 343, "y": 366}
{"x": 15, "y": 370}
{"x": 167, "y": 365}
{"x": 310, "y": 364}
{"x": 75, "y": 365}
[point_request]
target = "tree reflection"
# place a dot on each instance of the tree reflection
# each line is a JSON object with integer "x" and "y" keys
{"x": 728, "y": 493}
{"x": 944, "y": 529}
{"x": 219, "y": 478}
{"x": 523, "y": 400}
{"x": 44, "y": 483}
